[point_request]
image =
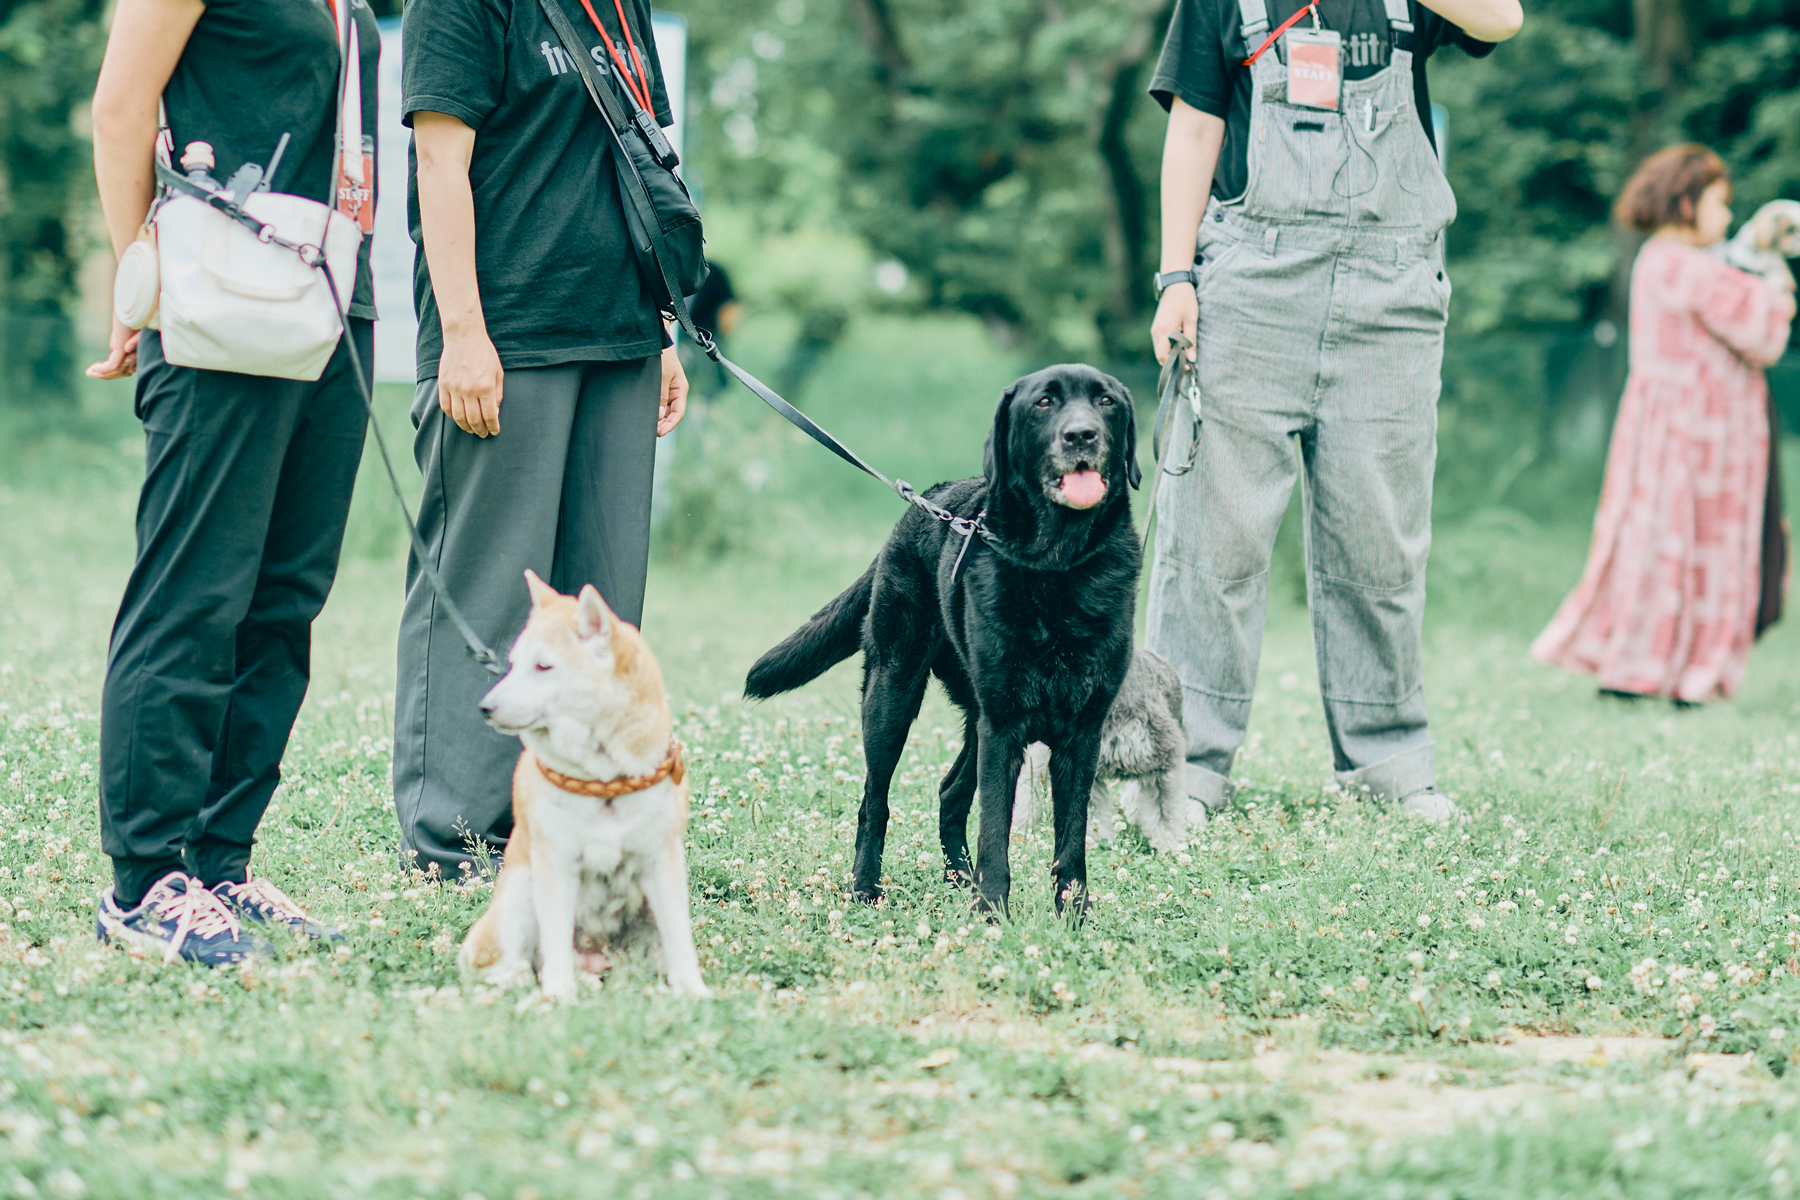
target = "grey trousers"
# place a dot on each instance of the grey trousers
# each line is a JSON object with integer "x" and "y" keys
{"x": 564, "y": 489}
{"x": 1316, "y": 336}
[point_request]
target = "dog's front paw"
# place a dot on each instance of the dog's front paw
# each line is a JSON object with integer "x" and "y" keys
{"x": 559, "y": 987}
{"x": 507, "y": 975}
{"x": 691, "y": 987}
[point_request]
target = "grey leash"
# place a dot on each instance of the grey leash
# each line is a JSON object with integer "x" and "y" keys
{"x": 1178, "y": 384}
{"x": 314, "y": 256}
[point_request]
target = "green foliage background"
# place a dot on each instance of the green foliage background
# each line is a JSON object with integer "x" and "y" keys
{"x": 1004, "y": 152}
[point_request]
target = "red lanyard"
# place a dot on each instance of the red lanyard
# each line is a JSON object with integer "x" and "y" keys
{"x": 639, "y": 87}
{"x": 1267, "y": 42}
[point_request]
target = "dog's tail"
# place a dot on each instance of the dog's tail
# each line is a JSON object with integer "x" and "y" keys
{"x": 833, "y": 634}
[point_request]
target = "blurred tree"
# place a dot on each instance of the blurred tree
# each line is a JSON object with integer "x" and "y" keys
{"x": 997, "y": 150}
{"x": 1004, "y": 152}
{"x": 49, "y": 55}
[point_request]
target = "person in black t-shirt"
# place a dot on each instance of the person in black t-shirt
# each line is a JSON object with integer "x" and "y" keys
{"x": 247, "y": 480}
{"x": 1303, "y": 218}
{"x": 545, "y": 374}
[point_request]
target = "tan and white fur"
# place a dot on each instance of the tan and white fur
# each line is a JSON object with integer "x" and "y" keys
{"x": 1766, "y": 241}
{"x": 584, "y": 877}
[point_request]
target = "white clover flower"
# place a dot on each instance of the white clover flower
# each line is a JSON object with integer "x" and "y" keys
{"x": 1360, "y": 984}
{"x": 1417, "y": 959}
{"x": 1419, "y": 995}
{"x": 1777, "y": 1034}
{"x": 1424, "y": 921}
{"x": 1493, "y": 979}
{"x": 993, "y": 933}
{"x": 923, "y": 930}
{"x": 1476, "y": 922}
{"x": 1595, "y": 983}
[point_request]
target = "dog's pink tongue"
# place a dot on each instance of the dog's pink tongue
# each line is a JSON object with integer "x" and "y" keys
{"x": 1083, "y": 489}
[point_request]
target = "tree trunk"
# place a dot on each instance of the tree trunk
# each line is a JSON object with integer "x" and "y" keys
{"x": 1125, "y": 213}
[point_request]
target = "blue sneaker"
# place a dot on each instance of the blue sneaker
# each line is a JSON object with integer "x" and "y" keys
{"x": 260, "y": 901}
{"x": 178, "y": 919}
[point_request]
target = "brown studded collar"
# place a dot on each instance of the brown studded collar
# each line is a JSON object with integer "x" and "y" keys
{"x": 671, "y": 767}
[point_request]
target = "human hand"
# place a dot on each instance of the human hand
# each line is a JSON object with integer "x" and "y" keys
{"x": 121, "y": 362}
{"x": 1177, "y": 312}
{"x": 471, "y": 382}
{"x": 673, "y": 403}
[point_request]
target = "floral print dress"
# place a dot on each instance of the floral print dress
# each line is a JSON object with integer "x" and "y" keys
{"x": 1668, "y": 603}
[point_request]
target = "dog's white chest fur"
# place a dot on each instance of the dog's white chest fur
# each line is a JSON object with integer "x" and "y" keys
{"x": 606, "y": 845}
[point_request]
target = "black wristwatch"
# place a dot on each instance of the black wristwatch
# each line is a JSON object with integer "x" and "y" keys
{"x": 1165, "y": 279}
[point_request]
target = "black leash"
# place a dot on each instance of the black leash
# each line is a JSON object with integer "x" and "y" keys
{"x": 314, "y": 256}
{"x": 1178, "y": 384}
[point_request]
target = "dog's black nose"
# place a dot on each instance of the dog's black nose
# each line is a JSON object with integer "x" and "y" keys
{"x": 1081, "y": 437}
{"x": 487, "y": 708}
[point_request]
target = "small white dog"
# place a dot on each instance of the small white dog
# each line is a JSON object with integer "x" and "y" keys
{"x": 1141, "y": 743}
{"x": 1766, "y": 241}
{"x": 595, "y": 864}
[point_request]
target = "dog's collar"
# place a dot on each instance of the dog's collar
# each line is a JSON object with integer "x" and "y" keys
{"x": 671, "y": 767}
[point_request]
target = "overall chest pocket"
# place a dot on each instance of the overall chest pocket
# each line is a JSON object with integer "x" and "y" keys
{"x": 1295, "y": 154}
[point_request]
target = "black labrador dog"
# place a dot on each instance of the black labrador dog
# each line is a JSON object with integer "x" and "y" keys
{"x": 1027, "y": 627}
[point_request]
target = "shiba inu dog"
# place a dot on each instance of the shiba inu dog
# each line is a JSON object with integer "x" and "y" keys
{"x": 595, "y": 864}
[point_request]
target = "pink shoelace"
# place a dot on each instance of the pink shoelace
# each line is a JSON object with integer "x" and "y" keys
{"x": 261, "y": 893}
{"x": 195, "y": 910}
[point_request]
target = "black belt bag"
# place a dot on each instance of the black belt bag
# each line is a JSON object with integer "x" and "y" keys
{"x": 659, "y": 214}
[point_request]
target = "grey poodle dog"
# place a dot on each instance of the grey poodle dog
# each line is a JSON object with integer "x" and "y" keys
{"x": 1141, "y": 743}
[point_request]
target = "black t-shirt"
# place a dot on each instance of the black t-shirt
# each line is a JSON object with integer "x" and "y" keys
{"x": 1203, "y": 63}
{"x": 559, "y": 282}
{"x": 252, "y": 71}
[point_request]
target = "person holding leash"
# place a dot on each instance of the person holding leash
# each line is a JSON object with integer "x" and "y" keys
{"x": 545, "y": 376}
{"x": 1303, "y": 217}
{"x": 247, "y": 477}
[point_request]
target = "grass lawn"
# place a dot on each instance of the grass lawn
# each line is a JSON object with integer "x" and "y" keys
{"x": 1589, "y": 989}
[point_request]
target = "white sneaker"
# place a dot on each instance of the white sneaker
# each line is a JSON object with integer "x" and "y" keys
{"x": 1431, "y": 805}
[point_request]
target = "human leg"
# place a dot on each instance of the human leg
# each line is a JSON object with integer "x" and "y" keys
{"x": 603, "y": 536}
{"x": 1369, "y": 462}
{"x": 489, "y": 510}
{"x": 1261, "y": 310}
{"x": 273, "y": 642}
{"x": 215, "y": 442}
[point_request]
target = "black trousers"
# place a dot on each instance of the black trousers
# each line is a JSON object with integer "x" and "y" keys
{"x": 246, "y": 491}
{"x": 565, "y": 490}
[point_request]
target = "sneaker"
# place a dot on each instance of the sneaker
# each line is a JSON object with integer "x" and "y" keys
{"x": 1430, "y": 805}
{"x": 260, "y": 901}
{"x": 178, "y": 919}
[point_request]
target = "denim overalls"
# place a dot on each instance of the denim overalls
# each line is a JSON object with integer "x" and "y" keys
{"x": 1322, "y": 306}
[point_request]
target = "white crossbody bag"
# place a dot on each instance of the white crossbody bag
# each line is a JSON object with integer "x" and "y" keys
{"x": 237, "y": 277}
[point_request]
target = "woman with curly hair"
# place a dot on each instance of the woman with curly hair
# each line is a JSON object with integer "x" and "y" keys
{"x": 1669, "y": 602}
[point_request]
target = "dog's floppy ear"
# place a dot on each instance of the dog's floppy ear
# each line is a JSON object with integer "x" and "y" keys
{"x": 540, "y": 591}
{"x": 1134, "y": 475}
{"x": 592, "y": 618}
{"x": 993, "y": 456}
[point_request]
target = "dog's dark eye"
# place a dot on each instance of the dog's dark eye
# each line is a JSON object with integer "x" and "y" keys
{"x": 1043, "y": 402}
{"x": 1105, "y": 402}
{"x": 543, "y": 666}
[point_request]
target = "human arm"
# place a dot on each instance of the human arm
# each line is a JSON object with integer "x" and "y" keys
{"x": 1190, "y": 152}
{"x": 672, "y": 403}
{"x": 1746, "y": 312}
{"x": 471, "y": 382}
{"x": 1483, "y": 20}
{"x": 145, "y": 43}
